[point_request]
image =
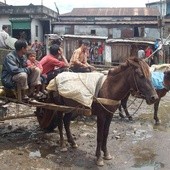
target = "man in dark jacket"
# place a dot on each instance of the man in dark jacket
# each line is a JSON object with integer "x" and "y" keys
{"x": 15, "y": 72}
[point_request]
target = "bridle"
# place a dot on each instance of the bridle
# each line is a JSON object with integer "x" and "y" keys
{"x": 137, "y": 91}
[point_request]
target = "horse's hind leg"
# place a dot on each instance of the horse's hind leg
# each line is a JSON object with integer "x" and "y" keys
{"x": 60, "y": 128}
{"x": 67, "y": 120}
{"x": 108, "y": 120}
{"x": 156, "y": 105}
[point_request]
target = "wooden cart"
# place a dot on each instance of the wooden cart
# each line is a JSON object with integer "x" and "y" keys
{"x": 46, "y": 112}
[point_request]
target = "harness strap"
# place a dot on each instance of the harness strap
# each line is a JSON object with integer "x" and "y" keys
{"x": 105, "y": 101}
{"x": 99, "y": 84}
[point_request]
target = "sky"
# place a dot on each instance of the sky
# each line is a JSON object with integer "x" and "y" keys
{"x": 65, "y": 6}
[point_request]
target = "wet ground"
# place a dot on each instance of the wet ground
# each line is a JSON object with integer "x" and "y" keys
{"x": 136, "y": 145}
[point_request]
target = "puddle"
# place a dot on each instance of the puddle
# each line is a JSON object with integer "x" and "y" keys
{"x": 155, "y": 166}
{"x": 163, "y": 115}
{"x": 145, "y": 160}
{"x": 47, "y": 151}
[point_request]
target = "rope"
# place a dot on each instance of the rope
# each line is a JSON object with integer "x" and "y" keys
{"x": 137, "y": 108}
{"x": 95, "y": 97}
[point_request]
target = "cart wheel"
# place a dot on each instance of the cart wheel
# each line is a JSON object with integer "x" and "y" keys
{"x": 47, "y": 119}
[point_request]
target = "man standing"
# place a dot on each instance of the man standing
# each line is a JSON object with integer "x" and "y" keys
{"x": 158, "y": 57}
{"x": 78, "y": 61}
{"x": 141, "y": 53}
{"x": 3, "y": 36}
{"x": 16, "y": 74}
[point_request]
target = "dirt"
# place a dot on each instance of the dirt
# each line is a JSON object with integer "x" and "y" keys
{"x": 135, "y": 145}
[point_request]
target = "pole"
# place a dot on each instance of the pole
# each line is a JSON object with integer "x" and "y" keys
{"x": 157, "y": 49}
{"x": 161, "y": 27}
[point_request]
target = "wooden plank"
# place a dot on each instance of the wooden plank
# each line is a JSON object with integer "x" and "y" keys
{"x": 17, "y": 117}
{"x": 51, "y": 106}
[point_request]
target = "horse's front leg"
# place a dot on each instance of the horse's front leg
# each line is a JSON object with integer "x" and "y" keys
{"x": 100, "y": 128}
{"x": 120, "y": 111}
{"x": 67, "y": 120}
{"x": 156, "y": 105}
{"x": 107, "y": 123}
{"x": 124, "y": 105}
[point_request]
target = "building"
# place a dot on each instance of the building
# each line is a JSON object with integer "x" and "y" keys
{"x": 31, "y": 22}
{"x": 109, "y": 22}
{"x": 160, "y": 5}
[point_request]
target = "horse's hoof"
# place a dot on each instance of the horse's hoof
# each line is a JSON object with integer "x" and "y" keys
{"x": 157, "y": 122}
{"x": 100, "y": 162}
{"x": 74, "y": 145}
{"x": 121, "y": 116}
{"x": 63, "y": 149}
{"x": 107, "y": 157}
{"x": 130, "y": 118}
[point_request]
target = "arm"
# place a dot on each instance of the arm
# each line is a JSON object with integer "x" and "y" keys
{"x": 64, "y": 58}
{"x": 12, "y": 66}
{"x": 75, "y": 59}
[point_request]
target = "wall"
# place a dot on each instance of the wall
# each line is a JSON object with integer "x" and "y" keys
{"x": 117, "y": 31}
{"x": 152, "y": 33}
{"x": 59, "y": 29}
{"x": 33, "y": 31}
{"x": 86, "y": 30}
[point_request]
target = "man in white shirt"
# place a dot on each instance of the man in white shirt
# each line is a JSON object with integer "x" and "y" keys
{"x": 141, "y": 53}
{"x": 3, "y": 36}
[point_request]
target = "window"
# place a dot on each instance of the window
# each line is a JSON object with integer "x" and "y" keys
{"x": 36, "y": 30}
{"x": 93, "y": 32}
{"x": 136, "y": 32}
{"x": 139, "y": 31}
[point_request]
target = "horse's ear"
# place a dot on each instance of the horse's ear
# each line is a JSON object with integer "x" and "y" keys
{"x": 133, "y": 61}
{"x": 136, "y": 59}
{"x": 167, "y": 75}
{"x": 167, "y": 72}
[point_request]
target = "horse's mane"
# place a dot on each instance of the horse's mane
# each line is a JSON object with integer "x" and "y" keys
{"x": 134, "y": 61}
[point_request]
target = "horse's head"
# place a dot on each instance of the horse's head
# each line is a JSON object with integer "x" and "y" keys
{"x": 167, "y": 80}
{"x": 141, "y": 80}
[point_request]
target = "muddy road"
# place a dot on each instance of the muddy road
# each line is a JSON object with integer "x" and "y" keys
{"x": 136, "y": 145}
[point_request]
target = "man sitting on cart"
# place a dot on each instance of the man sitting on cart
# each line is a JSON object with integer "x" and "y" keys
{"x": 78, "y": 61}
{"x": 16, "y": 74}
{"x": 54, "y": 63}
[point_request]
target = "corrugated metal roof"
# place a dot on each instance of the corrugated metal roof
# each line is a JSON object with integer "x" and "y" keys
{"x": 84, "y": 36}
{"x": 129, "y": 41}
{"x": 113, "y": 12}
{"x": 110, "y": 22}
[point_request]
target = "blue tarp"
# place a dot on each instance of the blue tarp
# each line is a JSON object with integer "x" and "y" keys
{"x": 157, "y": 79}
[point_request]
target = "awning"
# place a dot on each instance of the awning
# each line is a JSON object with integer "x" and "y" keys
{"x": 21, "y": 23}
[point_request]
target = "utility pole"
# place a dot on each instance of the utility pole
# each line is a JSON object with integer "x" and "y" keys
{"x": 161, "y": 18}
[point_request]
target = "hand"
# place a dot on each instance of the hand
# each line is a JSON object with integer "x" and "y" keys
{"x": 32, "y": 68}
{"x": 61, "y": 51}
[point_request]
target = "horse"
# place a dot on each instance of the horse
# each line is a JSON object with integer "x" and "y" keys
{"x": 133, "y": 74}
{"x": 160, "y": 92}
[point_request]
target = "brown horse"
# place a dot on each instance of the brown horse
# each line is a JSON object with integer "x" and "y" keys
{"x": 133, "y": 74}
{"x": 161, "y": 93}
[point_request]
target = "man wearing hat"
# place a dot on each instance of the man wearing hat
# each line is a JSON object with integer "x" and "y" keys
{"x": 78, "y": 61}
{"x": 158, "y": 57}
